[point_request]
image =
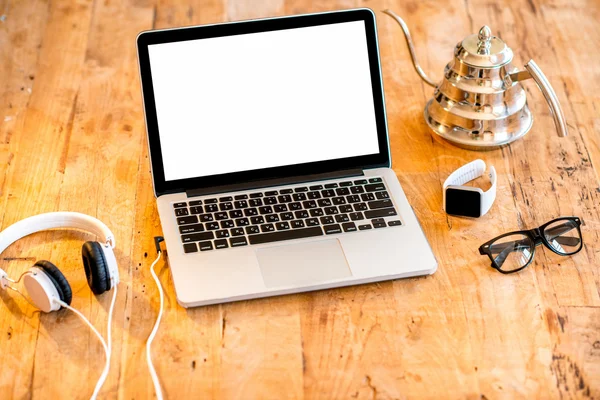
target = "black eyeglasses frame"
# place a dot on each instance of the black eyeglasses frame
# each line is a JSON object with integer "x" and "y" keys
{"x": 537, "y": 237}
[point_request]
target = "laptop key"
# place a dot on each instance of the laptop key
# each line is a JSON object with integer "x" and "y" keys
{"x": 353, "y": 198}
{"x": 324, "y": 202}
{"x": 309, "y": 204}
{"x": 265, "y": 210}
{"x": 331, "y": 210}
{"x": 221, "y": 244}
{"x": 378, "y": 223}
{"x": 298, "y": 224}
{"x": 327, "y": 192}
{"x": 206, "y": 217}
{"x": 382, "y": 212}
{"x": 191, "y": 228}
{"x": 286, "y": 191}
{"x": 204, "y": 246}
{"x": 180, "y": 212}
{"x": 374, "y": 187}
{"x": 266, "y": 228}
{"x": 190, "y": 248}
{"x": 225, "y": 206}
{"x": 270, "y": 200}
{"x": 192, "y": 219}
{"x": 241, "y": 197}
{"x": 331, "y": 186}
{"x": 257, "y": 220}
{"x": 373, "y": 205}
{"x": 286, "y": 198}
{"x": 225, "y": 199}
{"x": 238, "y": 241}
{"x": 179, "y": 205}
{"x": 280, "y": 208}
{"x": 342, "y": 191}
{"x": 211, "y": 208}
{"x": 327, "y": 220}
{"x": 295, "y": 206}
{"x": 250, "y": 212}
{"x": 364, "y": 227}
{"x": 235, "y": 214}
{"x": 237, "y": 232}
{"x": 242, "y": 222}
{"x": 255, "y": 202}
{"x": 316, "y": 212}
{"x": 349, "y": 227}
{"x": 197, "y": 237}
{"x": 342, "y": 218}
{"x": 211, "y": 226}
{"x": 195, "y": 203}
{"x": 301, "y": 214}
{"x": 339, "y": 200}
{"x": 285, "y": 235}
{"x": 360, "y": 207}
{"x": 240, "y": 204}
{"x": 346, "y": 208}
{"x": 272, "y": 218}
{"x": 197, "y": 210}
{"x": 271, "y": 193}
{"x": 314, "y": 195}
{"x": 356, "y": 216}
{"x": 255, "y": 195}
{"x": 301, "y": 189}
{"x": 331, "y": 229}
{"x": 227, "y": 224}
{"x": 299, "y": 196}
{"x": 357, "y": 190}
{"x": 252, "y": 229}
{"x": 210, "y": 201}
{"x": 312, "y": 222}
{"x": 367, "y": 197}
{"x": 221, "y": 216}
{"x": 374, "y": 180}
{"x": 360, "y": 182}
{"x": 394, "y": 223}
{"x": 382, "y": 195}
{"x": 316, "y": 187}
{"x": 286, "y": 216}
{"x": 345, "y": 184}
{"x": 222, "y": 234}
{"x": 282, "y": 225}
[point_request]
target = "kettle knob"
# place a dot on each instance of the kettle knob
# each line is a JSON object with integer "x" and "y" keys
{"x": 484, "y": 36}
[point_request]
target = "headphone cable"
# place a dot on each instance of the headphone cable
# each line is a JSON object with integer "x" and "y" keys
{"x": 153, "y": 374}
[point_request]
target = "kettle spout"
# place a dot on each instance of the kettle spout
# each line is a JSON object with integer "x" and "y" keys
{"x": 411, "y": 48}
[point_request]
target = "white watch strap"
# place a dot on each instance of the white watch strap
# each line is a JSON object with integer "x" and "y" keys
{"x": 467, "y": 173}
{"x": 54, "y": 220}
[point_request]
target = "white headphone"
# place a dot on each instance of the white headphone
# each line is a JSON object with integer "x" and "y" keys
{"x": 44, "y": 282}
{"x": 48, "y": 288}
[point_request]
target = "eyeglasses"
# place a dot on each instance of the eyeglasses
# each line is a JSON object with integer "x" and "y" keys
{"x": 514, "y": 251}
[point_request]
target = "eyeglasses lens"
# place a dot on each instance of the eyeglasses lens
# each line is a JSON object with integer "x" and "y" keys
{"x": 512, "y": 252}
{"x": 563, "y": 236}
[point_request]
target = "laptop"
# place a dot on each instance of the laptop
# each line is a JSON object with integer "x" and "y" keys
{"x": 271, "y": 160}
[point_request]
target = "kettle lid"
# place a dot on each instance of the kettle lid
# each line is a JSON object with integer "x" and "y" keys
{"x": 483, "y": 50}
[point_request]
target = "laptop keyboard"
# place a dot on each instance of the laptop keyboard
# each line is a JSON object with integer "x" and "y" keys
{"x": 276, "y": 215}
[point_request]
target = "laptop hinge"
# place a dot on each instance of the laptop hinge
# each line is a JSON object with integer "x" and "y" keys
{"x": 273, "y": 182}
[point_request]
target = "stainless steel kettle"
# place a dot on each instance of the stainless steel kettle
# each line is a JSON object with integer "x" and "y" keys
{"x": 480, "y": 103}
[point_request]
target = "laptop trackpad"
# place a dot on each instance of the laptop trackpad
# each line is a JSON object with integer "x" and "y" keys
{"x": 305, "y": 263}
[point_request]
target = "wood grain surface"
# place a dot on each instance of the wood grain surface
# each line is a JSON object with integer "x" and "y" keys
{"x": 72, "y": 137}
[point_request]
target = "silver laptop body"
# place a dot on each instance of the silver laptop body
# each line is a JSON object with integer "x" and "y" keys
{"x": 270, "y": 158}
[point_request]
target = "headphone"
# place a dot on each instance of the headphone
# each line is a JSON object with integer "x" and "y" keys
{"x": 45, "y": 284}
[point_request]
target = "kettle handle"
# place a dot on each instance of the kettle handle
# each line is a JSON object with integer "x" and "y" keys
{"x": 411, "y": 48}
{"x": 548, "y": 92}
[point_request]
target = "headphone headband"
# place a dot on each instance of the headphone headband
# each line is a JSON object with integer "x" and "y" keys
{"x": 54, "y": 220}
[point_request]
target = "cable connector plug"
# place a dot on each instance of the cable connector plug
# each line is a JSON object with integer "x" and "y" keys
{"x": 157, "y": 240}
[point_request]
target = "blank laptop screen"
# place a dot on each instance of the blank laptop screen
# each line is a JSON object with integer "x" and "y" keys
{"x": 261, "y": 100}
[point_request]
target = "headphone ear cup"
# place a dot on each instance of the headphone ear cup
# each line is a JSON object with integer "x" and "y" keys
{"x": 96, "y": 268}
{"x": 58, "y": 280}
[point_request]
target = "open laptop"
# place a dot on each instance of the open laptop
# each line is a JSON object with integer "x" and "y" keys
{"x": 270, "y": 158}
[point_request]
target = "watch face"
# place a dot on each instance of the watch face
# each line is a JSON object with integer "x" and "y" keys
{"x": 465, "y": 203}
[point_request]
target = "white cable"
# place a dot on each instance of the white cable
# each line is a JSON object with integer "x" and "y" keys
{"x": 104, "y": 375}
{"x": 155, "y": 380}
{"x": 106, "y": 348}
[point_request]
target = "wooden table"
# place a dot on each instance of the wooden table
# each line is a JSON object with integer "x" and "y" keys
{"x": 72, "y": 137}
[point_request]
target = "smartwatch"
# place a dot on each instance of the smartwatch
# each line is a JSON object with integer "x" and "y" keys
{"x": 467, "y": 201}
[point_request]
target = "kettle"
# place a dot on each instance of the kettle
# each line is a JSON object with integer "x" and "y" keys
{"x": 480, "y": 103}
